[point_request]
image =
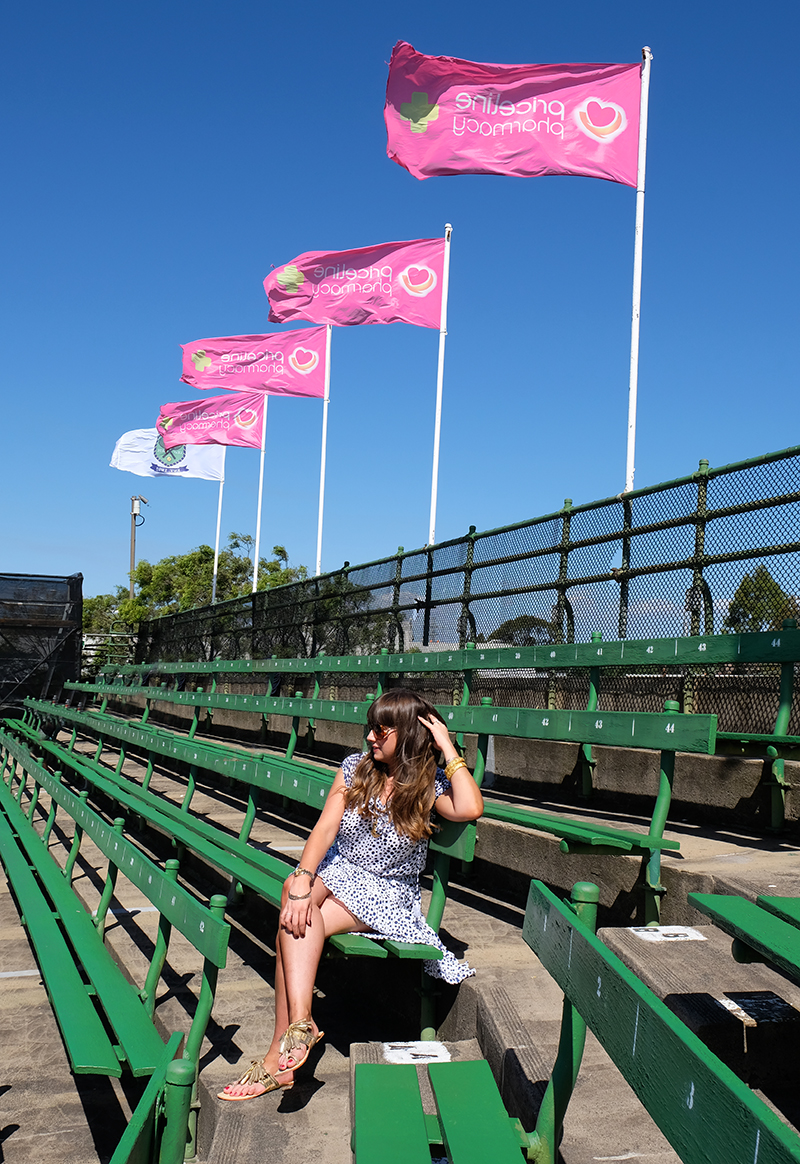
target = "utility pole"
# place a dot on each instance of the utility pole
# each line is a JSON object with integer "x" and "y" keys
{"x": 135, "y": 513}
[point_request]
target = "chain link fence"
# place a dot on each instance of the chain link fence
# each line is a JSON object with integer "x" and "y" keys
{"x": 712, "y": 552}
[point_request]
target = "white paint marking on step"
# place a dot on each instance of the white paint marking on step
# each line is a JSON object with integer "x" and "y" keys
{"x": 416, "y": 1052}
{"x": 635, "y": 1032}
{"x": 667, "y": 934}
{"x": 131, "y": 912}
{"x": 626, "y": 1156}
{"x": 20, "y": 974}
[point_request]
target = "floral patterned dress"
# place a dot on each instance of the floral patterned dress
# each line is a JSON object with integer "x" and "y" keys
{"x": 377, "y": 878}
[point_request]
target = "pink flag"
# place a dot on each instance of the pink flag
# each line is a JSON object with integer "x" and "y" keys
{"x": 288, "y": 363}
{"x": 390, "y": 283}
{"x": 217, "y": 420}
{"x": 447, "y": 116}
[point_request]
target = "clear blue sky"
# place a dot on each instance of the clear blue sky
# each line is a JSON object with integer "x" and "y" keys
{"x": 161, "y": 156}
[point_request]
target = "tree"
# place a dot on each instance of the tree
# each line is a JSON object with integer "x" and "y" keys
{"x": 184, "y": 581}
{"x": 524, "y": 631}
{"x": 101, "y": 612}
{"x": 759, "y": 604}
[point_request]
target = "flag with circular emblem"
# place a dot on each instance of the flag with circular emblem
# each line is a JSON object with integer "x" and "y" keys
{"x": 235, "y": 419}
{"x": 285, "y": 363}
{"x": 142, "y": 451}
{"x": 395, "y": 282}
{"x": 447, "y": 116}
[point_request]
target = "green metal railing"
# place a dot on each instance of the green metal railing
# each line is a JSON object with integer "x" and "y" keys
{"x": 713, "y": 551}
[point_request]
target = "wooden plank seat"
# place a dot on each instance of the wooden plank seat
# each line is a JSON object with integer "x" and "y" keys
{"x": 764, "y": 930}
{"x": 787, "y": 908}
{"x": 667, "y": 732}
{"x": 705, "y": 1111}
{"x": 128, "y": 1011}
{"x": 390, "y": 1126}
{"x": 705, "y": 650}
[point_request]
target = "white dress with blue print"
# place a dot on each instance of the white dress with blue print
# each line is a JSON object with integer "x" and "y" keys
{"x": 377, "y": 878}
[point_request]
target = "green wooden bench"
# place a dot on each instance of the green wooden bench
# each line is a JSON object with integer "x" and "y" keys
{"x": 705, "y": 1111}
{"x": 231, "y": 855}
{"x": 778, "y": 648}
{"x": 69, "y": 943}
{"x": 668, "y": 733}
{"x": 764, "y": 930}
{"x": 250, "y": 867}
{"x": 158, "y": 1128}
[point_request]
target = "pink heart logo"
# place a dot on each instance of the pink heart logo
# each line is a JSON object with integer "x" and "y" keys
{"x": 415, "y": 276}
{"x": 303, "y": 357}
{"x": 600, "y": 115}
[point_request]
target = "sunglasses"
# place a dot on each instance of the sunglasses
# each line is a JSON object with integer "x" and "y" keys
{"x": 380, "y": 732}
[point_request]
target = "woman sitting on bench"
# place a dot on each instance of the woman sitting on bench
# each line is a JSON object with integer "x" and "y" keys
{"x": 360, "y": 868}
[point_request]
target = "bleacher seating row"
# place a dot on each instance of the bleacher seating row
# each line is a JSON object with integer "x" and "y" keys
{"x": 88, "y": 991}
{"x": 31, "y": 746}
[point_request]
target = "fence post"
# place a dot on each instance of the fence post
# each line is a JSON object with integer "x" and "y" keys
{"x": 398, "y": 578}
{"x": 464, "y": 618}
{"x": 624, "y": 585}
{"x": 696, "y": 598}
{"x": 561, "y": 602}
{"x": 426, "y": 627}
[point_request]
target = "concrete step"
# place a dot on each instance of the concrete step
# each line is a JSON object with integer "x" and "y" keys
{"x": 747, "y": 1014}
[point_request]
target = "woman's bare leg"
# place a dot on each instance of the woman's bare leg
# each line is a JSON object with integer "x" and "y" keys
{"x": 297, "y": 960}
{"x": 300, "y": 961}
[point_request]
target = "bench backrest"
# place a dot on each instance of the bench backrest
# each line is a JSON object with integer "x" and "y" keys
{"x": 706, "y": 1112}
{"x": 699, "y": 650}
{"x": 653, "y": 730}
{"x": 207, "y": 933}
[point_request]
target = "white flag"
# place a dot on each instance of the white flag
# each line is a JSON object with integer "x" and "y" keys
{"x": 142, "y": 451}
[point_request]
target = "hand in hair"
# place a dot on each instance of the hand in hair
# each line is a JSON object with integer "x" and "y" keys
{"x": 441, "y": 736}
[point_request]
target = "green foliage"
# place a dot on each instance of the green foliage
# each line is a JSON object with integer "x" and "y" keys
{"x": 759, "y": 604}
{"x": 102, "y": 612}
{"x": 184, "y": 581}
{"x": 524, "y": 631}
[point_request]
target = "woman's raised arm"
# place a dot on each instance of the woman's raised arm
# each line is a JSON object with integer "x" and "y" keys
{"x": 463, "y": 800}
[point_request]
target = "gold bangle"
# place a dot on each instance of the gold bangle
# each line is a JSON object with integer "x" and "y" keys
{"x": 299, "y": 897}
{"x": 454, "y": 765}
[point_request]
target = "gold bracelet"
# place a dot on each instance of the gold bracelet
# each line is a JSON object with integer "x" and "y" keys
{"x": 299, "y": 897}
{"x": 454, "y": 765}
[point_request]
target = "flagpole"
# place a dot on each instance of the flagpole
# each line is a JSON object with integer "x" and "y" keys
{"x": 647, "y": 57}
{"x": 219, "y": 522}
{"x": 326, "y": 402}
{"x": 437, "y": 428}
{"x": 260, "y": 493}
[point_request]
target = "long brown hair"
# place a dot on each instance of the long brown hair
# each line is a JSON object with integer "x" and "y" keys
{"x": 414, "y": 765}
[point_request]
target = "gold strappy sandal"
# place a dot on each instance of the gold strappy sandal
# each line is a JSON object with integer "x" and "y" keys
{"x": 255, "y": 1073}
{"x": 297, "y": 1035}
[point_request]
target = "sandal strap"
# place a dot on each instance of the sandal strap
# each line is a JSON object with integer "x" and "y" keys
{"x": 255, "y": 1073}
{"x": 297, "y": 1034}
